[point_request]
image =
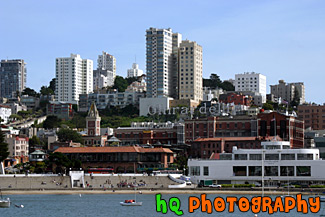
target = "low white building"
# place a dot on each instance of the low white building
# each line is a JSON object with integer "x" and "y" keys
{"x": 5, "y": 112}
{"x": 251, "y": 82}
{"x": 103, "y": 78}
{"x": 276, "y": 161}
{"x": 154, "y": 105}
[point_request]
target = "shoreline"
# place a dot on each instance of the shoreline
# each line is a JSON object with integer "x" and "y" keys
{"x": 155, "y": 191}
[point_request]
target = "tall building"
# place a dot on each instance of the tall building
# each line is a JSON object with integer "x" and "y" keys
{"x": 190, "y": 71}
{"x": 251, "y": 82}
{"x": 177, "y": 40}
{"x": 74, "y": 76}
{"x": 135, "y": 71}
{"x": 159, "y": 62}
{"x": 106, "y": 61}
{"x": 12, "y": 77}
{"x": 106, "y": 71}
{"x": 287, "y": 90}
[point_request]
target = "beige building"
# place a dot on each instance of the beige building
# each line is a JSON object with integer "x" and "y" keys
{"x": 190, "y": 71}
{"x": 286, "y": 90}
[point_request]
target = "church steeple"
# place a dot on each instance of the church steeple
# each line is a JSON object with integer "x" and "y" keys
{"x": 93, "y": 121}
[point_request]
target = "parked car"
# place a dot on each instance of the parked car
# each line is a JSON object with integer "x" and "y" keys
{"x": 215, "y": 186}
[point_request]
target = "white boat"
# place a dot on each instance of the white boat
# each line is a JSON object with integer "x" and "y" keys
{"x": 131, "y": 203}
{"x": 4, "y": 203}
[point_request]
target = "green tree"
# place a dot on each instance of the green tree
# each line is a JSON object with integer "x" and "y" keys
{"x": 15, "y": 117}
{"x": 60, "y": 160}
{"x": 30, "y": 92}
{"x": 4, "y": 153}
{"x": 267, "y": 106}
{"x": 120, "y": 83}
{"x": 226, "y": 85}
{"x": 67, "y": 135}
{"x": 51, "y": 122}
{"x": 34, "y": 141}
{"x": 46, "y": 91}
{"x": 52, "y": 84}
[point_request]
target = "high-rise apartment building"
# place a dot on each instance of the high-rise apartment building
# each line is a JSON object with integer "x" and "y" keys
{"x": 74, "y": 76}
{"x": 159, "y": 62}
{"x": 177, "y": 40}
{"x": 12, "y": 77}
{"x": 105, "y": 73}
{"x": 255, "y": 82}
{"x": 190, "y": 71}
{"x": 286, "y": 91}
{"x": 106, "y": 61}
{"x": 135, "y": 71}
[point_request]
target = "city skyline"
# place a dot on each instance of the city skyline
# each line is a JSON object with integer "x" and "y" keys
{"x": 282, "y": 40}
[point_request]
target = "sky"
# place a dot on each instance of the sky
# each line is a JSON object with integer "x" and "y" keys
{"x": 281, "y": 39}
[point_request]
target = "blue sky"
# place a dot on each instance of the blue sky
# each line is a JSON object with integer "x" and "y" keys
{"x": 282, "y": 39}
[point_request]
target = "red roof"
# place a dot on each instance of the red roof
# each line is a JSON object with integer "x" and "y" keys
{"x": 126, "y": 149}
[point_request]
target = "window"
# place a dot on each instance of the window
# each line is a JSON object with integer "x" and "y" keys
{"x": 239, "y": 171}
{"x": 287, "y": 171}
{"x": 271, "y": 157}
{"x": 255, "y": 171}
{"x": 205, "y": 171}
{"x": 255, "y": 157}
{"x": 303, "y": 171}
{"x": 305, "y": 156}
{"x": 195, "y": 171}
{"x": 288, "y": 157}
{"x": 271, "y": 171}
{"x": 240, "y": 156}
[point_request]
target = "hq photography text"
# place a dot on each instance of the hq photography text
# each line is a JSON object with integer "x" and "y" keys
{"x": 255, "y": 204}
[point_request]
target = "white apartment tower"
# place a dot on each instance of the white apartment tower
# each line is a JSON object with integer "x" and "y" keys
{"x": 74, "y": 76}
{"x": 255, "y": 82}
{"x": 159, "y": 62}
{"x": 106, "y": 62}
{"x": 135, "y": 71}
{"x": 190, "y": 71}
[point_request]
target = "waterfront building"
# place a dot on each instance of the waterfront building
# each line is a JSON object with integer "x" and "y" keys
{"x": 62, "y": 110}
{"x": 190, "y": 71}
{"x": 286, "y": 91}
{"x": 5, "y": 112}
{"x": 122, "y": 159}
{"x": 13, "y": 75}
{"x": 313, "y": 116}
{"x": 134, "y": 71}
{"x": 251, "y": 82}
{"x": 74, "y": 76}
{"x": 276, "y": 161}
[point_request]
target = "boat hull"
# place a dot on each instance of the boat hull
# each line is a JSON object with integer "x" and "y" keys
{"x": 131, "y": 204}
{"x": 4, "y": 203}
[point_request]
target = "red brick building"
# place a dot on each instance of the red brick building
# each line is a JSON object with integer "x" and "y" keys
{"x": 284, "y": 126}
{"x": 121, "y": 159}
{"x": 210, "y": 127}
{"x": 237, "y": 99}
{"x": 205, "y": 147}
{"x": 313, "y": 116}
{"x": 163, "y": 133}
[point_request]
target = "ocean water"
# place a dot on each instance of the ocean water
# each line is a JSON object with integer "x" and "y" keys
{"x": 94, "y": 205}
